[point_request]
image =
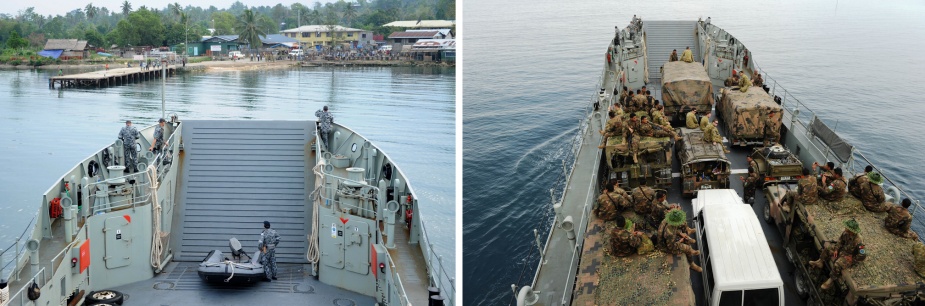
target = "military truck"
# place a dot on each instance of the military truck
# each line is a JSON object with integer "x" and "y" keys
{"x": 744, "y": 114}
{"x": 685, "y": 86}
{"x": 655, "y": 278}
{"x": 886, "y": 277}
{"x": 652, "y": 162}
{"x": 703, "y": 164}
{"x": 777, "y": 164}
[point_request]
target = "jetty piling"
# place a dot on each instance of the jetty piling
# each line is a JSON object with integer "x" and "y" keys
{"x": 111, "y": 77}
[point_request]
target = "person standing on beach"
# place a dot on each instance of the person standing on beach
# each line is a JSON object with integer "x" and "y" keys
{"x": 325, "y": 120}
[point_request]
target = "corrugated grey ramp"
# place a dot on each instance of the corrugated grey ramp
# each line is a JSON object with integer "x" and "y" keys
{"x": 236, "y": 174}
{"x": 661, "y": 38}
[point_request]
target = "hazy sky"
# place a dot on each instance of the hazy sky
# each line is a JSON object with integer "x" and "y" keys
{"x": 60, "y": 7}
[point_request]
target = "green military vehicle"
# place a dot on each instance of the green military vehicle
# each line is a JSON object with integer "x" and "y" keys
{"x": 685, "y": 86}
{"x": 744, "y": 115}
{"x": 777, "y": 164}
{"x": 886, "y": 277}
{"x": 652, "y": 160}
{"x": 703, "y": 165}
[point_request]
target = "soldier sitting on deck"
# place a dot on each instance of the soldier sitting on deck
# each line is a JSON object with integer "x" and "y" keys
{"x": 758, "y": 81}
{"x": 614, "y": 127}
{"x": 732, "y": 80}
{"x": 844, "y": 254}
{"x": 870, "y": 193}
{"x": 711, "y": 135}
{"x": 834, "y": 190}
{"x": 624, "y": 240}
{"x": 899, "y": 220}
{"x": 643, "y": 197}
{"x": 673, "y": 239}
{"x": 687, "y": 55}
{"x": 674, "y": 56}
{"x": 853, "y": 182}
{"x": 611, "y": 203}
{"x": 828, "y": 172}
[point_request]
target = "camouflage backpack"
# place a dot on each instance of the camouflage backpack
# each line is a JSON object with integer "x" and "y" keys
{"x": 918, "y": 253}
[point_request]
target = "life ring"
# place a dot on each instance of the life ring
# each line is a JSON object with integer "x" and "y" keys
{"x": 93, "y": 168}
{"x": 894, "y": 194}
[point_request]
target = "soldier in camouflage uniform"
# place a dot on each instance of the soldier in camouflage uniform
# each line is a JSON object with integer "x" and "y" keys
{"x": 267, "y": 245}
{"x": 731, "y": 81}
{"x": 128, "y": 135}
{"x": 835, "y": 189}
{"x": 325, "y": 121}
{"x": 639, "y": 101}
{"x": 843, "y": 254}
{"x": 758, "y": 81}
{"x": 692, "y": 119}
{"x": 751, "y": 184}
{"x": 853, "y": 182}
{"x": 705, "y": 121}
{"x": 672, "y": 237}
{"x": 674, "y": 56}
{"x": 631, "y": 130}
{"x": 628, "y": 101}
{"x": 624, "y": 240}
{"x": 649, "y": 129}
{"x": 687, "y": 55}
{"x": 771, "y": 130}
{"x": 614, "y": 127}
{"x": 807, "y": 192}
{"x": 898, "y": 221}
{"x": 611, "y": 203}
{"x": 711, "y": 135}
{"x": 871, "y": 194}
{"x": 744, "y": 81}
{"x": 643, "y": 197}
{"x": 828, "y": 172}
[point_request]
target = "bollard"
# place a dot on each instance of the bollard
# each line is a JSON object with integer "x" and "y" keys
{"x": 569, "y": 226}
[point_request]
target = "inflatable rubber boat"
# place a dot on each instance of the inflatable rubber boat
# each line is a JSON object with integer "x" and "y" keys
{"x": 218, "y": 268}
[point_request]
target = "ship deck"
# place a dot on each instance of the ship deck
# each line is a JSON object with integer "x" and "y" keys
{"x": 180, "y": 285}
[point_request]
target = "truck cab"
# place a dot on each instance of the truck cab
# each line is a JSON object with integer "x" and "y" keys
{"x": 738, "y": 268}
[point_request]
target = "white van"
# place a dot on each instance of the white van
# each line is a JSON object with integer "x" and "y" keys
{"x": 738, "y": 268}
{"x": 296, "y": 52}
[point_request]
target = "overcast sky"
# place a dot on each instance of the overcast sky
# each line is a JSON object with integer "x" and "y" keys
{"x": 61, "y": 7}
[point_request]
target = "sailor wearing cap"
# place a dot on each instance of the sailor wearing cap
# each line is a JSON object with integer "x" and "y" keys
{"x": 267, "y": 245}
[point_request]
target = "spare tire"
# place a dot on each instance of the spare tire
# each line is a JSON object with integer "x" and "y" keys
{"x": 104, "y": 297}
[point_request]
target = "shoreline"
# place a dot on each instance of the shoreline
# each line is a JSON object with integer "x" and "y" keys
{"x": 246, "y": 64}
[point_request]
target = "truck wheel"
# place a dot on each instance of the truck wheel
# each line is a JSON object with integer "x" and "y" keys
{"x": 104, "y": 297}
{"x": 766, "y": 213}
{"x": 801, "y": 282}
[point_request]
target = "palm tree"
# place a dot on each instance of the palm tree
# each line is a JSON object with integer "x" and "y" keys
{"x": 350, "y": 13}
{"x": 314, "y": 17}
{"x": 126, "y": 8}
{"x": 248, "y": 29}
{"x": 176, "y": 10}
{"x": 91, "y": 11}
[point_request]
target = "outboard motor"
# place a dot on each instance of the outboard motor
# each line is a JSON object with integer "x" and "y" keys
{"x": 236, "y": 249}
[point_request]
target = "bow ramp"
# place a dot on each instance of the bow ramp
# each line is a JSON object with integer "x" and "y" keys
{"x": 664, "y": 36}
{"x": 236, "y": 174}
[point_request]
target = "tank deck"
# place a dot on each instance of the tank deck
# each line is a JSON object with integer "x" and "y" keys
{"x": 181, "y": 285}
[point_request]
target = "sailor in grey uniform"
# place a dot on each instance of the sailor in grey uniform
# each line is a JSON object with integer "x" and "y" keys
{"x": 267, "y": 245}
{"x": 158, "y": 143}
{"x": 129, "y": 134}
{"x": 325, "y": 119}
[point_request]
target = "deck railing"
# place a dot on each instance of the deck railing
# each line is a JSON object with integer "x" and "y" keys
{"x": 40, "y": 278}
{"x": 17, "y": 251}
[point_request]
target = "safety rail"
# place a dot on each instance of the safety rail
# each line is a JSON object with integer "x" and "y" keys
{"x": 802, "y": 115}
{"x": 139, "y": 190}
{"x": 25, "y": 286}
{"x": 442, "y": 277}
{"x": 18, "y": 253}
{"x": 399, "y": 289}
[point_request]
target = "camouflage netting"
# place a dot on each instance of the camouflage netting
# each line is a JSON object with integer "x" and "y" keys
{"x": 693, "y": 148}
{"x": 685, "y": 85}
{"x": 889, "y": 261}
{"x": 653, "y": 279}
{"x": 744, "y": 113}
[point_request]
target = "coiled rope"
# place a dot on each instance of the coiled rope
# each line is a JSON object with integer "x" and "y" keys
{"x": 313, "y": 256}
{"x": 157, "y": 244}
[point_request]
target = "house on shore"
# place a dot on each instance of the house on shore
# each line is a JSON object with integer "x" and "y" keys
{"x": 312, "y": 36}
{"x": 65, "y": 49}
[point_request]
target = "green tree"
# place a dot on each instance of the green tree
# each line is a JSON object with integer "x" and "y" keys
{"x": 94, "y": 38}
{"x": 141, "y": 28}
{"x": 248, "y": 30}
{"x": 126, "y": 8}
{"x": 224, "y": 23}
{"x": 16, "y": 42}
{"x": 350, "y": 14}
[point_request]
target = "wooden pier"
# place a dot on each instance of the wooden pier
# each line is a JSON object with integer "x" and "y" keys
{"x": 110, "y": 77}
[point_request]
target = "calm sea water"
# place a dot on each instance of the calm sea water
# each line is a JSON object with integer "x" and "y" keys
{"x": 408, "y": 112}
{"x": 532, "y": 67}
